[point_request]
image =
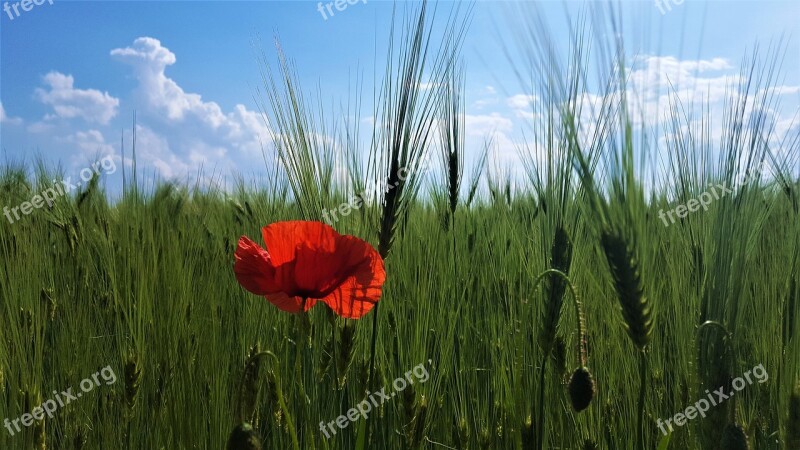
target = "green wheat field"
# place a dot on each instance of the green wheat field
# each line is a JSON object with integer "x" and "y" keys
{"x": 524, "y": 299}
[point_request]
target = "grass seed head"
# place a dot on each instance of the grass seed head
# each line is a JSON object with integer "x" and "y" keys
{"x": 410, "y": 402}
{"x": 419, "y": 423}
{"x": 460, "y": 433}
{"x": 528, "y": 436}
{"x": 133, "y": 378}
{"x": 624, "y": 267}
{"x": 49, "y": 303}
{"x": 251, "y": 385}
{"x": 272, "y": 399}
{"x": 485, "y": 438}
{"x": 40, "y": 436}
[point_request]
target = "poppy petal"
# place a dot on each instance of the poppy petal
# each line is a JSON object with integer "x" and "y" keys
{"x": 283, "y": 238}
{"x": 311, "y": 261}
{"x": 290, "y": 304}
{"x": 253, "y": 268}
{"x": 321, "y": 272}
{"x": 361, "y": 288}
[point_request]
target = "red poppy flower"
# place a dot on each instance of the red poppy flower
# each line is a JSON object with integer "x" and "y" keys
{"x": 309, "y": 261}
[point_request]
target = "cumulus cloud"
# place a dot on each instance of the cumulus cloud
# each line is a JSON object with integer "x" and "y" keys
{"x": 149, "y": 60}
{"x": 40, "y": 127}
{"x": 190, "y": 132}
{"x": 90, "y": 143}
{"x": 486, "y": 124}
{"x": 68, "y": 102}
{"x": 521, "y": 101}
{"x": 5, "y": 119}
{"x": 154, "y": 150}
{"x": 657, "y": 82}
{"x": 522, "y": 105}
{"x": 495, "y": 127}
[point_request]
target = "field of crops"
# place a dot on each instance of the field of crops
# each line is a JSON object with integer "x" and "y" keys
{"x": 626, "y": 278}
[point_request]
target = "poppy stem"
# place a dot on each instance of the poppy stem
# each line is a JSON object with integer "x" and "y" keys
{"x": 373, "y": 346}
{"x": 303, "y": 340}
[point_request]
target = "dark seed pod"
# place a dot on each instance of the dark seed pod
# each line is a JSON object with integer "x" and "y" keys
{"x": 733, "y": 438}
{"x": 590, "y": 445}
{"x": 581, "y": 389}
{"x": 244, "y": 437}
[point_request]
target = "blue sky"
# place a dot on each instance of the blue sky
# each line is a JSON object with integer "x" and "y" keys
{"x": 72, "y": 73}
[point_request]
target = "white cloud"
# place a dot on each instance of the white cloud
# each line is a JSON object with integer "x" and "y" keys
{"x": 656, "y": 82}
{"x": 784, "y": 90}
{"x": 40, "y": 127}
{"x": 492, "y": 126}
{"x": 191, "y": 132}
{"x": 91, "y": 143}
{"x": 5, "y": 119}
{"x": 522, "y": 105}
{"x": 69, "y": 102}
{"x": 149, "y": 60}
{"x": 154, "y": 150}
{"x": 486, "y": 124}
{"x": 521, "y": 101}
{"x": 483, "y": 103}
